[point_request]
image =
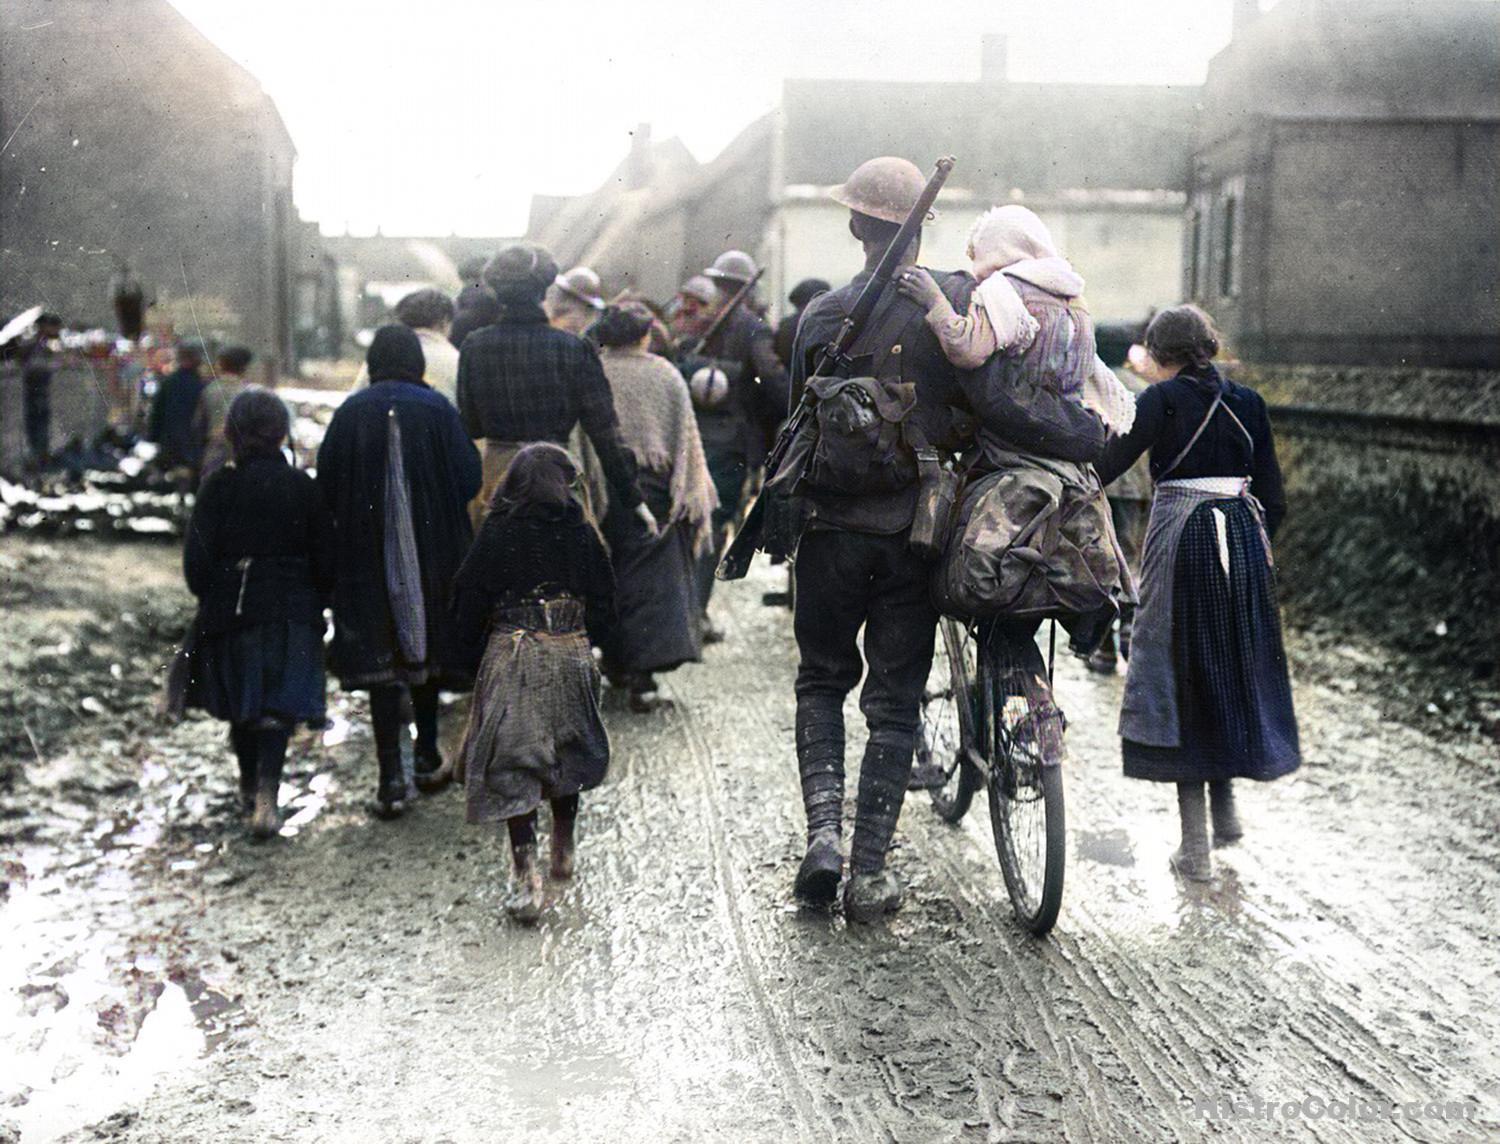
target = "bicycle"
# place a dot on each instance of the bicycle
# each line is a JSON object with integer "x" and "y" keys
{"x": 990, "y": 722}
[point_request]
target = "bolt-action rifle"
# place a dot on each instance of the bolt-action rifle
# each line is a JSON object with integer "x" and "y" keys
{"x": 834, "y": 361}
{"x": 696, "y": 346}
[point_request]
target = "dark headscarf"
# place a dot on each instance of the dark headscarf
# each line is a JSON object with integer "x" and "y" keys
{"x": 395, "y": 355}
{"x": 623, "y": 324}
{"x": 256, "y": 424}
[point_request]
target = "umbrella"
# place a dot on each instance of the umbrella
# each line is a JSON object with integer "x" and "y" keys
{"x": 21, "y": 321}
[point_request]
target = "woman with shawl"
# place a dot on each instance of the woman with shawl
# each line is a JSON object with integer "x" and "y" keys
{"x": 659, "y": 625}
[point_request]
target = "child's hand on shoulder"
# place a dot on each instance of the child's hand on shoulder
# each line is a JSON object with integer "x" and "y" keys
{"x": 920, "y": 286}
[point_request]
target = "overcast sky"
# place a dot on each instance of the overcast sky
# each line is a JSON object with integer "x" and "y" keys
{"x": 447, "y": 115}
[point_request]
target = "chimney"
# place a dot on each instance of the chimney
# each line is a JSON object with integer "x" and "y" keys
{"x": 994, "y": 58}
{"x": 1246, "y": 12}
{"x": 638, "y": 167}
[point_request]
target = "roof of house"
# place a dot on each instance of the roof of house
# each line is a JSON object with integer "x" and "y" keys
{"x": 1036, "y": 137}
{"x": 1354, "y": 59}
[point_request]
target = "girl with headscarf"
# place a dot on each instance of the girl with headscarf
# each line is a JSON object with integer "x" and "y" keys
{"x": 1207, "y": 696}
{"x": 397, "y": 471}
{"x": 1022, "y": 278}
{"x": 533, "y": 591}
{"x": 258, "y": 559}
{"x": 660, "y": 619}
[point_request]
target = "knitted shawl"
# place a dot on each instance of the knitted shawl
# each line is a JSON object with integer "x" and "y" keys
{"x": 657, "y": 425}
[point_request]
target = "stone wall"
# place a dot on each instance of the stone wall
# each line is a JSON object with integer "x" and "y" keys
{"x": 1393, "y": 478}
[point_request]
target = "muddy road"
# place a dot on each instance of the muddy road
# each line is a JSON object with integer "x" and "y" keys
{"x": 162, "y": 978}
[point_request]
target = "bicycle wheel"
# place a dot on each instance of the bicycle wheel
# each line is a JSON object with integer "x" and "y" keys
{"x": 948, "y": 720}
{"x": 1025, "y": 785}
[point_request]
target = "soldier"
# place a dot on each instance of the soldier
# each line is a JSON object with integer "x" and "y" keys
{"x": 574, "y": 301}
{"x": 739, "y": 389}
{"x": 853, "y": 570}
{"x": 853, "y": 566}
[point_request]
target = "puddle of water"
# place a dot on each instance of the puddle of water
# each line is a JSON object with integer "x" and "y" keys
{"x": 1110, "y": 847}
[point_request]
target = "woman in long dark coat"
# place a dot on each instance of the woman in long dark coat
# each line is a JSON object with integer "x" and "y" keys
{"x": 535, "y": 588}
{"x": 259, "y": 559}
{"x": 397, "y": 470}
{"x": 1207, "y": 696}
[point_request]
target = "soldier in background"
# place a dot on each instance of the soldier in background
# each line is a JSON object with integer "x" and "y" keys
{"x": 786, "y": 330}
{"x": 692, "y": 310}
{"x": 574, "y": 301}
{"x": 740, "y": 392}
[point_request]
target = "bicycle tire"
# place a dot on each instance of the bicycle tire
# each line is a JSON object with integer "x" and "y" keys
{"x": 1025, "y": 787}
{"x": 948, "y": 706}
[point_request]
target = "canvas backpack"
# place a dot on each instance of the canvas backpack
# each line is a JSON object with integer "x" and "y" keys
{"x": 865, "y": 440}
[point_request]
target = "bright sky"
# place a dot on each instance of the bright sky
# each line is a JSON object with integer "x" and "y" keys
{"x": 447, "y": 115}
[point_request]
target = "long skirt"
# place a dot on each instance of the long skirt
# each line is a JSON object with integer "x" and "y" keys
{"x": 534, "y": 728}
{"x": 656, "y": 591}
{"x": 270, "y": 670}
{"x": 1234, "y": 697}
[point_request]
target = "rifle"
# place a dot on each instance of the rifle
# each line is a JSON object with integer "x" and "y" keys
{"x": 718, "y": 323}
{"x": 835, "y": 361}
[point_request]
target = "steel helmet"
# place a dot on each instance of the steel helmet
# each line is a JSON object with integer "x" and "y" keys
{"x": 884, "y": 188}
{"x": 735, "y": 265}
{"x": 700, "y": 288}
{"x": 582, "y": 285}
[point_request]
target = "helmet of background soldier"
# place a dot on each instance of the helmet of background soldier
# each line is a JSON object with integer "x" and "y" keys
{"x": 885, "y": 188}
{"x": 732, "y": 266}
{"x": 700, "y": 288}
{"x": 582, "y": 285}
{"x": 709, "y": 387}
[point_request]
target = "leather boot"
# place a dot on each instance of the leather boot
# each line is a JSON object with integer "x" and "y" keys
{"x": 391, "y": 794}
{"x": 431, "y": 772}
{"x": 870, "y": 897}
{"x": 820, "y": 762}
{"x": 525, "y": 901}
{"x": 242, "y": 738}
{"x": 1227, "y": 828}
{"x": 270, "y": 759}
{"x": 563, "y": 848}
{"x": 822, "y": 866}
{"x": 1192, "y": 859}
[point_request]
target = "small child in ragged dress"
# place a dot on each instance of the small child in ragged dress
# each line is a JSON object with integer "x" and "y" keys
{"x": 534, "y": 589}
{"x": 1021, "y": 278}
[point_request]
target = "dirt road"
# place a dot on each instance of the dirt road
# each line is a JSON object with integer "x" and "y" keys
{"x": 163, "y": 978}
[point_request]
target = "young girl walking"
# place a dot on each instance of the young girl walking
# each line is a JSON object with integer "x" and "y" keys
{"x": 258, "y": 559}
{"x": 536, "y": 587}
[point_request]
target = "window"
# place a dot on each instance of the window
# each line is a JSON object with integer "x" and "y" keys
{"x": 1231, "y": 235}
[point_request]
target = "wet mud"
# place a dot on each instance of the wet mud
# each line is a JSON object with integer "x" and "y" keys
{"x": 165, "y": 978}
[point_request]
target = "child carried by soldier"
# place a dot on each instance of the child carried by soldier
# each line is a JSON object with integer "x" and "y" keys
{"x": 1017, "y": 266}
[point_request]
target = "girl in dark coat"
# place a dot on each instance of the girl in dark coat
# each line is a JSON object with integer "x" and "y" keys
{"x": 258, "y": 559}
{"x": 397, "y": 470}
{"x": 1207, "y": 696}
{"x": 534, "y": 589}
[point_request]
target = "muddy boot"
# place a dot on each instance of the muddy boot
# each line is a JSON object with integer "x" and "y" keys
{"x": 1105, "y": 660}
{"x": 271, "y": 758}
{"x": 563, "y": 846}
{"x": 822, "y": 866}
{"x": 1192, "y": 859}
{"x": 868, "y": 898}
{"x": 391, "y": 793}
{"x": 1227, "y": 828}
{"x": 431, "y": 771}
{"x": 242, "y": 738}
{"x": 711, "y": 633}
{"x": 820, "y": 762}
{"x": 525, "y": 901}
